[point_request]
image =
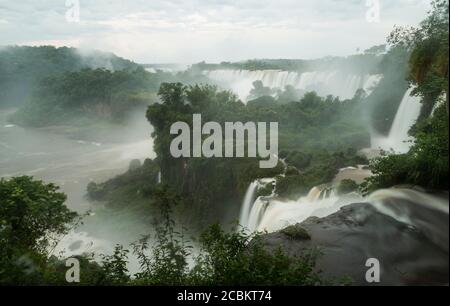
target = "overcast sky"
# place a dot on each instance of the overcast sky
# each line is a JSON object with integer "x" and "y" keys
{"x": 187, "y": 31}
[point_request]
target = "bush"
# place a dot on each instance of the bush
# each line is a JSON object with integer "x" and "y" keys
{"x": 347, "y": 186}
{"x": 426, "y": 164}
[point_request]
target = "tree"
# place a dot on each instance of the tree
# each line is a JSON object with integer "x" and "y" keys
{"x": 259, "y": 90}
{"x": 32, "y": 217}
{"x": 32, "y": 214}
{"x": 428, "y": 45}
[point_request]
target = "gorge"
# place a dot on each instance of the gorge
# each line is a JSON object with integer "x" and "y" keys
{"x": 270, "y": 171}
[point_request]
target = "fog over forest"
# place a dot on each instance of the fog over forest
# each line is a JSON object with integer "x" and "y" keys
{"x": 224, "y": 143}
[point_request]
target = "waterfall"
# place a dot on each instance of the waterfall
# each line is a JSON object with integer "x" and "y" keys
{"x": 371, "y": 82}
{"x": 427, "y": 213}
{"x": 269, "y": 214}
{"x": 313, "y": 194}
{"x": 398, "y": 139}
{"x": 256, "y": 214}
{"x": 439, "y": 102}
{"x": 334, "y": 83}
{"x": 159, "y": 178}
{"x": 280, "y": 214}
{"x": 406, "y": 116}
{"x": 247, "y": 203}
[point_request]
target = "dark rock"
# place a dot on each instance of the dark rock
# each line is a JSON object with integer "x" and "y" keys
{"x": 296, "y": 232}
{"x": 347, "y": 239}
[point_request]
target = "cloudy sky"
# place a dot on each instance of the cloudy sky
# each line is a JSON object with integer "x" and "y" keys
{"x": 186, "y": 31}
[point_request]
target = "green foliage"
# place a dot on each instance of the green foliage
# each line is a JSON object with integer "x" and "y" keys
{"x": 428, "y": 44}
{"x": 168, "y": 262}
{"x": 225, "y": 258}
{"x": 21, "y": 68}
{"x": 265, "y": 191}
{"x": 31, "y": 213}
{"x": 239, "y": 259}
{"x": 97, "y": 94}
{"x": 137, "y": 183}
{"x": 298, "y": 159}
{"x": 114, "y": 267}
{"x": 290, "y": 170}
{"x": 382, "y": 104}
{"x": 316, "y": 169}
{"x": 296, "y": 232}
{"x": 289, "y": 94}
{"x": 71, "y": 87}
{"x": 357, "y": 64}
{"x": 32, "y": 216}
{"x": 259, "y": 90}
{"x": 347, "y": 186}
{"x": 292, "y": 186}
{"x": 426, "y": 164}
{"x": 311, "y": 123}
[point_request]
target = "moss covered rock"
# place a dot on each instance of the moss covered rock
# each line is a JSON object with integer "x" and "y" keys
{"x": 296, "y": 232}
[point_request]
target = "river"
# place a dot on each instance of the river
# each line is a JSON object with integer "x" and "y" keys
{"x": 57, "y": 156}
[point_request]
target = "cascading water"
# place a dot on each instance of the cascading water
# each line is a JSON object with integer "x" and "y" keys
{"x": 159, "y": 178}
{"x": 428, "y": 213}
{"x": 372, "y": 82}
{"x": 77, "y": 243}
{"x": 439, "y": 102}
{"x": 406, "y": 229}
{"x": 248, "y": 201}
{"x": 256, "y": 213}
{"x": 266, "y": 213}
{"x": 323, "y": 82}
{"x": 398, "y": 139}
{"x": 271, "y": 215}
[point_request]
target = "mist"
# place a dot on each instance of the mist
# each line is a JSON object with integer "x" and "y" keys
{"x": 92, "y": 169}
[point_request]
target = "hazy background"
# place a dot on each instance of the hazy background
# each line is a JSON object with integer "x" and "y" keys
{"x": 187, "y": 31}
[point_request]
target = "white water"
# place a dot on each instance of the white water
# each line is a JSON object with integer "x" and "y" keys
{"x": 371, "y": 82}
{"x": 428, "y": 213}
{"x": 270, "y": 214}
{"x": 159, "y": 180}
{"x": 78, "y": 243}
{"x": 426, "y": 200}
{"x": 398, "y": 139}
{"x": 248, "y": 201}
{"x": 323, "y": 82}
{"x": 440, "y": 101}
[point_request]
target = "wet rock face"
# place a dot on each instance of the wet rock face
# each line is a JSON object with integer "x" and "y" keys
{"x": 407, "y": 254}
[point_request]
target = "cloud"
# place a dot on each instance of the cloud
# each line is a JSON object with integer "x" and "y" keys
{"x": 213, "y": 30}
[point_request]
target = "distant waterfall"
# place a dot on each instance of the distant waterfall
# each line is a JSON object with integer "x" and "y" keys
{"x": 324, "y": 83}
{"x": 407, "y": 114}
{"x": 159, "y": 178}
{"x": 371, "y": 82}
